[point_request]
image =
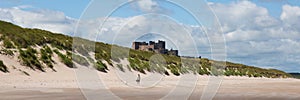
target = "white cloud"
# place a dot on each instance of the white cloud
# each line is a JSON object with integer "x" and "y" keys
{"x": 265, "y": 21}
{"x": 238, "y": 15}
{"x": 290, "y": 14}
{"x": 245, "y": 20}
{"x": 44, "y": 19}
{"x": 147, "y": 5}
{"x": 291, "y": 17}
{"x": 256, "y": 38}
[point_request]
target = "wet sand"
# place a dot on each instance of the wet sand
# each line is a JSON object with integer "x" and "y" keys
{"x": 232, "y": 88}
{"x": 41, "y": 94}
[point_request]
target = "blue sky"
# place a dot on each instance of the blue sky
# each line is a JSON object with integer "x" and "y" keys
{"x": 72, "y": 8}
{"x": 76, "y": 7}
{"x": 262, "y": 33}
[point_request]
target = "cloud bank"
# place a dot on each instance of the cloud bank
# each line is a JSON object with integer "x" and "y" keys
{"x": 54, "y": 21}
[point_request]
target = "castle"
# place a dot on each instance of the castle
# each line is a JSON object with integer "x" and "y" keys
{"x": 159, "y": 47}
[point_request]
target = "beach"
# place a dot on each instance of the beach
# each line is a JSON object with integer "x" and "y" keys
{"x": 64, "y": 85}
{"x": 86, "y": 83}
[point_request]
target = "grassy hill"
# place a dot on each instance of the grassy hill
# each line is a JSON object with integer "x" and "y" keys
{"x": 35, "y": 49}
{"x": 295, "y": 75}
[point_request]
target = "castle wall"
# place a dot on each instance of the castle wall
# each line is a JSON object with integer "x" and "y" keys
{"x": 159, "y": 47}
{"x": 173, "y": 52}
{"x": 144, "y": 47}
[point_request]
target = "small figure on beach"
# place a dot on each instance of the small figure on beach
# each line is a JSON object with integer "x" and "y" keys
{"x": 138, "y": 79}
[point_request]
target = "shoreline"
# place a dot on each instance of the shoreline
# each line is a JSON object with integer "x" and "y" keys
{"x": 231, "y": 88}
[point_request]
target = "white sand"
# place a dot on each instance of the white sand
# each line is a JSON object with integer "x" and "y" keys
{"x": 64, "y": 84}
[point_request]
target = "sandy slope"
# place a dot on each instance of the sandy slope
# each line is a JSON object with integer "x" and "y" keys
{"x": 65, "y": 84}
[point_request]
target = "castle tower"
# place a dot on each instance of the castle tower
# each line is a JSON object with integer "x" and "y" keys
{"x": 161, "y": 45}
{"x": 135, "y": 45}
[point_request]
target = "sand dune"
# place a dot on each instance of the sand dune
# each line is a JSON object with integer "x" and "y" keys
{"x": 86, "y": 83}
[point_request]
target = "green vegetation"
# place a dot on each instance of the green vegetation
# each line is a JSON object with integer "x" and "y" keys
{"x": 7, "y": 43}
{"x": 65, "y": 59}
{"x": 46, "y": 56}
{"x": 204, "y": 67}
{"x": 80, "y": 59}
{"x": 174, "y": 70}
{"x": 137, "y": 65}
{"x": 242, "y": 70}
{"x": 7, "y": 52}
{"x": 100, "y": 66}
{"x": 3, "y": 67}
{"x": 70, "y": 57}
{"x": 102, "y": 52}
{"x": 295, "y": 75}
{"x": 30, "y": 59}
{"x": 24, "y": 39}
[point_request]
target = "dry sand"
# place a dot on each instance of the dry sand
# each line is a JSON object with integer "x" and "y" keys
{"x": 65, "y": 84}
{"x": 232, "y": 88}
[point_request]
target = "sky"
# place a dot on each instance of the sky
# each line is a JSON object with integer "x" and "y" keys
{"x": 264, "y": 33}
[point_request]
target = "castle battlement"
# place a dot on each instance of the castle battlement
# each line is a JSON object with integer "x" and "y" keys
{"x": 158, "y": 47}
